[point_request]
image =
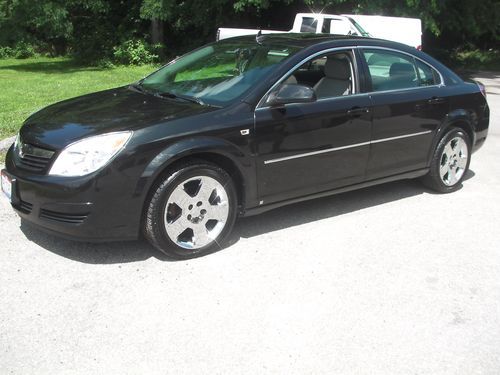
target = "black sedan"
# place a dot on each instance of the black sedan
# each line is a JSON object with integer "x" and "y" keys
{"x": 239, "y": 127}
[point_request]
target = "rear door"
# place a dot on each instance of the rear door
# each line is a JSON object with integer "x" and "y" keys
{"x": 408, "y": 105}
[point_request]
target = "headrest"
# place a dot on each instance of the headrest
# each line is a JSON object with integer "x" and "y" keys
{"x": 402, "y": 69}
{"x": 337, "y": 68}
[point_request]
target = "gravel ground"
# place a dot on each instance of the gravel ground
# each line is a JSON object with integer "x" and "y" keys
{"x": 387, "y": 280}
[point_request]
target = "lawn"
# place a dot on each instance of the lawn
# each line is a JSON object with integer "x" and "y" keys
{"x": 31, "y": 84}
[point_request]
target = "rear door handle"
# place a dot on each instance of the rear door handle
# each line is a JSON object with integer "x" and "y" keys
{"x": 435, "y": 100}
{"x": 357, "y": 111}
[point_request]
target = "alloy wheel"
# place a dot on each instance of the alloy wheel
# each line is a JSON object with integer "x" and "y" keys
{"x": 196, "y": 212}
{"x": 453, "y": 161}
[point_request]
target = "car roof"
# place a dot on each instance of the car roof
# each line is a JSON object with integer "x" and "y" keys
{"x": 301, "y": 39}
{"x": 304, "y": 40}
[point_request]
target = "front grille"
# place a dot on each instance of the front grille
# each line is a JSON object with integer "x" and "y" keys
{"x": 63, "y": 217}
{"x": 25, "y": 207}
{"x": 32, "y": 158}
{"x": 33, "y": 163}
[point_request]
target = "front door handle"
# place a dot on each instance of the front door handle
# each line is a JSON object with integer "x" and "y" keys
{"x": 358, "y": 111}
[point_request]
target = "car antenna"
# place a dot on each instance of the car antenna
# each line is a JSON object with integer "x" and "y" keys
{"x": 259, "y": 37}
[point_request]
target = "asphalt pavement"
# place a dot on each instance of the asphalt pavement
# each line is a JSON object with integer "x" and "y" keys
{"x": 391, "y": 279}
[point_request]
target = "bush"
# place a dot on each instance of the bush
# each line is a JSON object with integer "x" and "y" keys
{"x": 23, "y": 50}
{"x": 6, "y": 52}
{"x": 478, "y": 59}
{"x": 135, "y": 52}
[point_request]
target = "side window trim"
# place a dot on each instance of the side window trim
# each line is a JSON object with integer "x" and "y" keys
{"x": 441, "y": 78}
{"x": 389, "y": 55}
{"x": 359, "y": 63}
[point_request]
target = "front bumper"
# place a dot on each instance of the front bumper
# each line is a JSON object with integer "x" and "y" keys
{"x": 100, "y": 207}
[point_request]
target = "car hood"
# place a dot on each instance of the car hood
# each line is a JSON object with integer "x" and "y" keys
{"x": 124, "y": 108}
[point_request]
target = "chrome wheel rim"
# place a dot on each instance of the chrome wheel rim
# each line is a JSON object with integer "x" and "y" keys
{"x": 196, "y": 212}
{"x": 453, "y": 161}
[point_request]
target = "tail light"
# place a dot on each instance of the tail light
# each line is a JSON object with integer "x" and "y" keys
{"x": 482, "y": 88}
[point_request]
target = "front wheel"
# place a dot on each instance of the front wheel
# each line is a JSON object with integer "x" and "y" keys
{"x": 191, "y": 211}
{"x": 450, "y": 162}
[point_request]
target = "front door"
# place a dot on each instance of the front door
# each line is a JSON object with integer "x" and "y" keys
{"x": 305, "y": 148}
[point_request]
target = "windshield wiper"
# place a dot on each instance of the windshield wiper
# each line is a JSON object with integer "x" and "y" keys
{"x": 140, "y": 88}
{"x": 171, "y": 95}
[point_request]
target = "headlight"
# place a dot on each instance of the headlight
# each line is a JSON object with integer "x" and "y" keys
{"x": 89, "y": 155}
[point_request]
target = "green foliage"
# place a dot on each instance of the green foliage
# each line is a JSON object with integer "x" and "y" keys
{"x": 158, "y": 9}
{"x": 93, "y": 30}
{"x": 24, "y": 50}
{"x": 21, "y": 50}
{"x": 477, "y": 59}
{"x": 6, "y": 52}
{"x": 134, "y": 52}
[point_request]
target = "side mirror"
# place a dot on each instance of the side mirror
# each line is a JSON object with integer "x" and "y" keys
{"x": 291, "y": 93}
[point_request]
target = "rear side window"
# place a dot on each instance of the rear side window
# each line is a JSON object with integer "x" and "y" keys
{"x": 309, "y": 25}
{"x": 427, "y": 75}
{"x": 393, "y": 71}
{"x": 390, "y": 70}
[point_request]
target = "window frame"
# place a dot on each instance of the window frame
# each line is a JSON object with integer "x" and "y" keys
{"x": 367, "y": 75}
{"x": 434, "y": 72}
{"x": 360, "y": 67}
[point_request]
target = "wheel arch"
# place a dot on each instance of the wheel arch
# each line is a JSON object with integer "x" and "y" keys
{"x": 217, "y": 151}
{"x": 457, "y": 119}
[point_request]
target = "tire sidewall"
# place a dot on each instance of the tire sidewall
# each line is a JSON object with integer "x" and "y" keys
{"x": 163, "y": 241}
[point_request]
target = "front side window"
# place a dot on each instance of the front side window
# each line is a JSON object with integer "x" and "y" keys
{"x": 393, "y": 71}
{"x": 330, "y": 75}
{"x": 218, "y": 73}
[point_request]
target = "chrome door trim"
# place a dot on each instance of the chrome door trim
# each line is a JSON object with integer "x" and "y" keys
{"x": 296, "y": 156}
{"x": 261, "y": 103}
{"x": 315, "y": 153}
{"x": 401, "y": 136}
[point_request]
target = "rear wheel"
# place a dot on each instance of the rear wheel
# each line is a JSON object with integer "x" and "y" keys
{"x": 191, "y": 211}
{"x": 450, "y": 162}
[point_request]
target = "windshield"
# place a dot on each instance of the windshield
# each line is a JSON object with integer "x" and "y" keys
{"x": 218, "y": 73}
{"x": 358, "y": 26}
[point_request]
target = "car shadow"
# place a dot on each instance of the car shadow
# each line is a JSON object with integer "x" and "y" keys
{"x": 328, "y": 207}
{"x": 247, "y": 227}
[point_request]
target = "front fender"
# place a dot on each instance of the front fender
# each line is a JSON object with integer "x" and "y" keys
{"x": 194, "y": 146}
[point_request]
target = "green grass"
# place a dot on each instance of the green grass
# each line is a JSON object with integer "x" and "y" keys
{"x": 29, "y": 85}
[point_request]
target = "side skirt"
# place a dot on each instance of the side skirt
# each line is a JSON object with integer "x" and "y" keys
{"x": 408, "y": 175}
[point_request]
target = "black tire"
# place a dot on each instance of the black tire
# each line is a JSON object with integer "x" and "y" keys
{"x": 433, "y": 179}
{"x": 156, "y": 221}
